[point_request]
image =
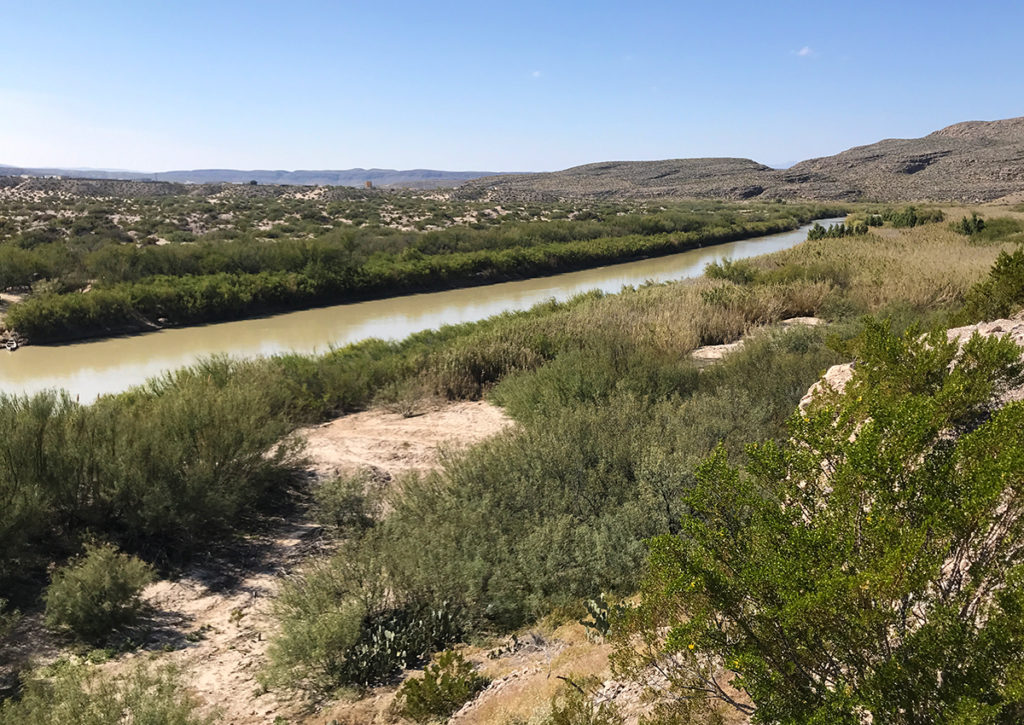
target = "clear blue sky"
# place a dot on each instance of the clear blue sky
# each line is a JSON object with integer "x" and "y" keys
{"x": 489, "y": 86}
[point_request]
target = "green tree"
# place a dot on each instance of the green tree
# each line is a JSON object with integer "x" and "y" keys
{"x": 868, "y": 566}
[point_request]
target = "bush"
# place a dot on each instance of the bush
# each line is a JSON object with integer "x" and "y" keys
{"x": 867, "y": 566}
{"x": 96, "y": 593}
{"x": 343, "y": 622}
{"x": 554, "y": 511}
{"x": 1002, "y": 293}
{"x": 911, "y": 216}
{"x": 77, "y": 694}
{"x": 968, "y": 226}
{"x": 446, "y": 685}
{"x": 346, "y": 504}
{"x": 836, "y": 231}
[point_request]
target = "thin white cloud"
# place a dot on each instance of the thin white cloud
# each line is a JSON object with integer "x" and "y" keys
{"x": 806, "y": 52}
{"x": 536, "y": 74}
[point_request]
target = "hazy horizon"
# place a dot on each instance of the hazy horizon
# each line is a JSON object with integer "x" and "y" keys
{"x": 459, "y": 86}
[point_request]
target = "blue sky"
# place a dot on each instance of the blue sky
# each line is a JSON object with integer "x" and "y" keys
{"x": 489, "y": 86}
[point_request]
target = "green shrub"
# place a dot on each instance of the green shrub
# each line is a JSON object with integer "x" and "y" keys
{"x": 96, "y": 593}
{"x": 837, "y": 231}
{"x": 77, "y": 694}
{"x": 1002, "y": 293}
{"x": 445, "y": 686}
{"x": 968, "y": 226}
{"x": 554, "y": 511}
{"x": 911, "y": 216}
{"x": 343, "y": 622}
{"x": 999, "y": 230}
{"x": 737, "y": 271}
{"x": 348, "y": 505}
{"x": 866, "y": 565}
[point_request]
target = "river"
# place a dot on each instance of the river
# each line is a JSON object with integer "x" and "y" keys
{"x": 88, "y": 369}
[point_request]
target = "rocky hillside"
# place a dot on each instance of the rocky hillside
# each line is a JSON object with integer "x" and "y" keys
{"x": 967, "y": 162}
{"x": 720, "y": 178}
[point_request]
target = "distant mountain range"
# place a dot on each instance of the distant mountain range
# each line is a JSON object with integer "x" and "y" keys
{"x": 411, "y": 178}
{"x": 971, "y": 161}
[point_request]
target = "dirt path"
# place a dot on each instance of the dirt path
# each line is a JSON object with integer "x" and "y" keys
{"x": 391, "y": 443}
{"x": 216, "y": 619}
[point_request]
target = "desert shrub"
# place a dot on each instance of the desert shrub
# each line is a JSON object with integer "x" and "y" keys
{"x": 349, "y": 505}
{"x": 160, "y": 468}
{"x": 737, "y": 271}
{"x": 998, "y": 230}
{"x": 968, "y": 226}
{"x": 96, "y": 593}
{"x": 1002, "y": 293}
{"x": 446, "y": 685}
{"x": 592, "y": 375}
{"x": 321, "y": 619}
{"x": 573, "y": 704}
{"x": 77, "y": 694}
{"x": 554, "y": 512}
{"x": 843, "y": 570}
{"x": 344, "y": 622}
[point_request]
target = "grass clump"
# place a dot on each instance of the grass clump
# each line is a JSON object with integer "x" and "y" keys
{"x": 96, "y": 593}
{"x": 445, "y": 686}
{"x": 77, "y": 694}
{"x": 573, "y": 704}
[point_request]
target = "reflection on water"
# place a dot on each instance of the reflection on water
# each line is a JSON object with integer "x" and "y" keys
{"x": 90, "y": 368}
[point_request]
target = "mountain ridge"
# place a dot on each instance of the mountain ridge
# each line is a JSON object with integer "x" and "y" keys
{"x": 416, "y": 178}
{"x": 970, "y": 161}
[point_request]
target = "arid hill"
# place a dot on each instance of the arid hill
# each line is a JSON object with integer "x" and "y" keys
{"x": 720, "y": 178}
{"x": 967, "y": 162}
{"x": 975, "y": 161}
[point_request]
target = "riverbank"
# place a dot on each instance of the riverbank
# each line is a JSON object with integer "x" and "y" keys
{"x": 88, "y": 369}
{"x": 157, "y": 301}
